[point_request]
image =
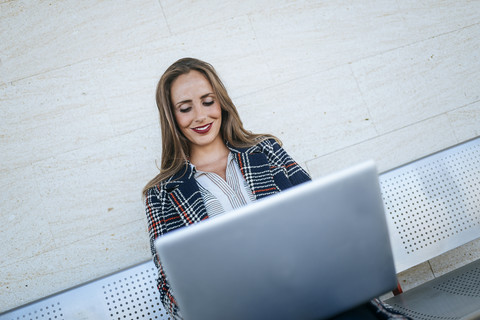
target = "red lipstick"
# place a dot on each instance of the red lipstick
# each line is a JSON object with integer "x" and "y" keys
{"x": 203, "y": 129}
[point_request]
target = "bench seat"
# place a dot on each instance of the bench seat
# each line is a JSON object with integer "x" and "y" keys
{"x": 455, "y": 295}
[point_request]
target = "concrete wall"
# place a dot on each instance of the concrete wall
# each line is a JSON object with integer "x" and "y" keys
{"x": 337, "y": 81}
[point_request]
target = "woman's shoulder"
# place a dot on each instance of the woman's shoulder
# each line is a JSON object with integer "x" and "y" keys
{"x": 159, "y": 191}
{"x": 165, "y": 184}
{"x": 157, "y": 186}
{"x": 155, "y": 190}
{"x": 269, "y": 144}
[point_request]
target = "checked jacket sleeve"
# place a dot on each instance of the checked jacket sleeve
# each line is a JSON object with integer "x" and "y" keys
{"x": 157, "y": 208}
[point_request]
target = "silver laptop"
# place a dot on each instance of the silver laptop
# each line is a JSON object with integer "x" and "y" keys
{"x": 310, "y": 252}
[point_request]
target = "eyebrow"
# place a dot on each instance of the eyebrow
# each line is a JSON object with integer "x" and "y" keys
{"x": 190, "y": 100}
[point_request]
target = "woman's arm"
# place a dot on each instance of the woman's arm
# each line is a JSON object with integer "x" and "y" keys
{"x": 156, "y": 205}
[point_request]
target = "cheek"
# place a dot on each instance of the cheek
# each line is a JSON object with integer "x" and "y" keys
{"x": 182, "y": 120}
{"x": 217, "y": 112}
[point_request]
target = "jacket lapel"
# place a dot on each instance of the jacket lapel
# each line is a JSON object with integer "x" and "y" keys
{"x": 186, "y": 197}
{"x": 255, "y": 168}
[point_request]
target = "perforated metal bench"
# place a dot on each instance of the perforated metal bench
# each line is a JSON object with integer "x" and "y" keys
{"x": 129, "y": 294}
{"x": 433, "y": 206}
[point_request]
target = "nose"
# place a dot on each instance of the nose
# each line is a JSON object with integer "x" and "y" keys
{"x": 200, "y": 113}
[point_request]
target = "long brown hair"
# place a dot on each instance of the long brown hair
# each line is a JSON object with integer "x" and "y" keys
{"x": 175, "y": 146}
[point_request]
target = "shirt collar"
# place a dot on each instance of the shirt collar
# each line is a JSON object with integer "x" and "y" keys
{"x": 197, "y": 173}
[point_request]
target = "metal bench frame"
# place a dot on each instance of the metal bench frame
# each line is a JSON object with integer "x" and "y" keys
{"x": 433, "y": 206}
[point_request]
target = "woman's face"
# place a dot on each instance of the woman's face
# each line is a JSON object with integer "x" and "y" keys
{"x": 196, "y": 109}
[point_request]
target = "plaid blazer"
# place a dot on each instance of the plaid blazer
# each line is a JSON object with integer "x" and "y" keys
{"x": 177, "y": 202}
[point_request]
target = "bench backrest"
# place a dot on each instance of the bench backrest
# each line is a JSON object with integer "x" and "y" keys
{"x": 433, "y": 204}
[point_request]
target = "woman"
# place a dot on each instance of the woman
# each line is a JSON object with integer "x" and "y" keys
{"x": 210, "y": 163}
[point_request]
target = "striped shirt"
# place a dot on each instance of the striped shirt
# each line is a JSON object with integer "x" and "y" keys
{"x": 221, "y": 195}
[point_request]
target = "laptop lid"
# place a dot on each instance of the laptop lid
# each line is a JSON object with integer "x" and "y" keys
{"x": 309, "y": 252}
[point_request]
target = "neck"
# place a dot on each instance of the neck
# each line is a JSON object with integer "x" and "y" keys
{"x": 204, "y": 156}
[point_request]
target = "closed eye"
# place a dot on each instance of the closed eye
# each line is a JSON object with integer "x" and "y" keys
{"x": 208, "y": 103}
{"x": 185, "y": 110}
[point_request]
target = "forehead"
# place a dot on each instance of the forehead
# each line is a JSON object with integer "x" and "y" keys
{"x": 189, "y": 86}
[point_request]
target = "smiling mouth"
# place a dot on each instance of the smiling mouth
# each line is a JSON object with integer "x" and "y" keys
{"x": 203, "y": 129}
